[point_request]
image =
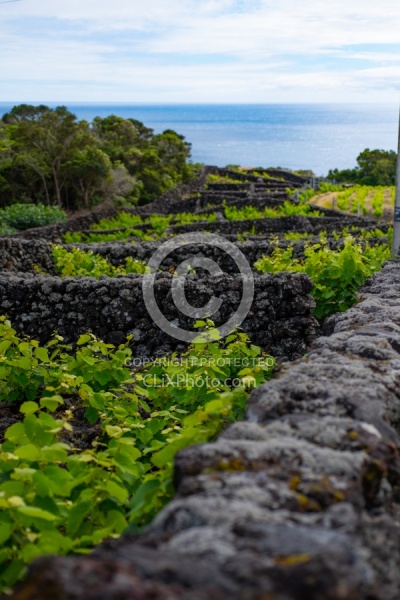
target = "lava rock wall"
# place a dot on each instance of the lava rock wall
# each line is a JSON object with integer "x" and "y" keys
{"x": 280, "y": 319}
{"x": 26, "y": 256}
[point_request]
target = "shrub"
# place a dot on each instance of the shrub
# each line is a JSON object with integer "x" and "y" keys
{"x": 295, "y": 236}
{"x": 325, "y": 187}
{"x": 6, "y": 230}
{"x": 59, "y": 495}
{"x": 336, "y": 274}
{"x": 188, "y": 218}
{"x": 87, "y": 264}
{"x": 123, "y": 219}
{"x": 291, "y": 210}
{"x": 288, "y": 209}
{"x": 302, "y": 195}
{"x": 25, "y": 216}
{"x": 232, "y": 213}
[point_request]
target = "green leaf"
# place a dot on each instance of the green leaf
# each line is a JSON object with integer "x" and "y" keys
{"x": 60, "y": 478}
{"x": 36, "y": 513}
{"x": 25, "y": 363}
{"x": 98, "y": 401}
{"x": 114, "y": 431}
{"x": 29, "y": 408}
{"x": 120, "y": 413}
{"x": 215, "y": 406}
{"x": 83, "y": 339}
{"x": 25, "y": 349}
{"x": 55, "y": 453}
{"x": 12, "y": 488}
{"x": 6, "y": 530}
{"x": 102, "y": 377}
{"x": 23, "y": 474}
{"x": 76, "y": 516}
{"x": 16, "y": 433}
{"x": 214, "y": 334}
{"x": 51, "y": 402}
{"x": 117, "y": 520}
{"x": 128, "y": 463}
{"x": 141, "y": 391}
{"x": 145, "y": 435}
{"x": 42, "y": 354}
{"x": 12, "y": 573}
{"x": 144, "y": 405}
{"x": 117, "y": 491}
{"x": 144, "y": 493}
{"x": 43, "y": 484}
{"x": 28, "y": 451}
{"x": 92, "y": 415}
{"x": 4, "y": 346}
{"x": 194, "y": 419}
{"x": 167, "y": 453}
{"x": 30, "y": 552}
{"x": 53, "y": 542}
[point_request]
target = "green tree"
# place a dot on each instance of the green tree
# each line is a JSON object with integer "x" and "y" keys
{"x": 46, "y": 141}
{"x": 157, "y": 162}
{"x": 49, "y": 156}
{"x": 374, "y": 167}
{"x": 377, "y": 167}
{"x": 90, "y": 169}
{"x": 123, "y": 140}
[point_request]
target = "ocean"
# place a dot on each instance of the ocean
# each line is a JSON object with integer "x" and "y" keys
{"x": 295, "y": 136}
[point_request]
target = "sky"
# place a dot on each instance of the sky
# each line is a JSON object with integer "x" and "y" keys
{"x": 200, "y": 51}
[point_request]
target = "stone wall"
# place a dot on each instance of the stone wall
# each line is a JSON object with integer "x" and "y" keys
{"x": 298, "y": 502}
{"x": 27, "y": 256}
{"x": 55, "y": 233}
{"x": 252, "y": 250}
{"x": 280, "y": 319}
{"x": 297, "y": 180}
{"x": 212, "y": 201}
{"x": 287, "y": 176}
{"x": 300, "y": 224}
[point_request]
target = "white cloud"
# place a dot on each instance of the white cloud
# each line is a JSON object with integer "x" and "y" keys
{"x": 173, "y": 50}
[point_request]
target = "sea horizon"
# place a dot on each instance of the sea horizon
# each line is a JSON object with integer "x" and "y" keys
{"x": 295, "y": 136}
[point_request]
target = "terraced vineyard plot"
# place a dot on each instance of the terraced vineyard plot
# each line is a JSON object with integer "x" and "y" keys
{"x": 337, "y": 275}
{"x": 128, "y": 225}
{"x": 377, "y": 201}
{"x": 115, "y": 467}
{"x": 91, "y": 447}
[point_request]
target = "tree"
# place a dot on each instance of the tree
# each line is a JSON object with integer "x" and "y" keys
{"x": 156, "y": 162}
{"x": 122, "y": 139}
{"x": 173, "y": 151}
{"x": 90, "y": 169}
{"x": 375, "y": 167}
{"x": 47, "y": 155}
{"x": 46, "y": 140}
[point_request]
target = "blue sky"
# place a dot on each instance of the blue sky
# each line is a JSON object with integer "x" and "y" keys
{"x": 250, "y": 51}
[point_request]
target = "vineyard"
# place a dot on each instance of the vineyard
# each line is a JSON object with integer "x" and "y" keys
{"x": 376, "y": 201}
{"x": 214, "y": 468}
